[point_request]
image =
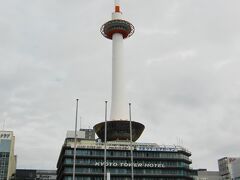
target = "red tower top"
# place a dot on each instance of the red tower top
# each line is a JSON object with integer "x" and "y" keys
{"x": 117, "y": 6}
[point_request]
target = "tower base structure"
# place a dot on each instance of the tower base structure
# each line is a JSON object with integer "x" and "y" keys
{"x": 119, "y": 130}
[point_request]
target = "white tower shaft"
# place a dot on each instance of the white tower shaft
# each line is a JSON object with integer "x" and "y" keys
{"x": 116, "y": 129}
{"x": 119, "y": 103}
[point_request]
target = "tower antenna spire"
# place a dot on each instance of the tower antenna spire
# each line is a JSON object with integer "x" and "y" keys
{"x": 117, "y": 5}
{"x": 4, "y": 124}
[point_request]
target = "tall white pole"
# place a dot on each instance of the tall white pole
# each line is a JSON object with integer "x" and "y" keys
{"x": 131, "y": 146}
{"x": 105, "y": 143}
{"x": 75, "y": 142}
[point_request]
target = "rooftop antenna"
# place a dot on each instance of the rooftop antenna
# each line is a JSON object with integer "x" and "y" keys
{"x": 4, "y": 123}
{"x": 177, "y": 141}
{"x": 182, "y": 142}
{"x": 75, "y": 141}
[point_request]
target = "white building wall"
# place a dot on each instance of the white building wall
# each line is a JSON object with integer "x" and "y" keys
{"x": 229, "y": 168}
{"x": 208, "y": 175}
{"x": 236, "y": 169}
{"x": 7, "y": 142}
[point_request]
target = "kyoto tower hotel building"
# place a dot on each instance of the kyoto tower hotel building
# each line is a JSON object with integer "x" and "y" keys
{"x": 115, "y": 153}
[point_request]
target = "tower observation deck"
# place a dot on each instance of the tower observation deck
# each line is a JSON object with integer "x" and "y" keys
{"x": 118, "y": 127}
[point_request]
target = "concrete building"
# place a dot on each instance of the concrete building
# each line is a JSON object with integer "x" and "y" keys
{"x": 7, "y": 157}
{"x": 229, "y": 168}
{"x": 204, "y": 174}
{"x": 150, "y": 161}
{"x": 33, "y": 174}
{"x": 46, "y": 174}
{"x": 236, "y": 169}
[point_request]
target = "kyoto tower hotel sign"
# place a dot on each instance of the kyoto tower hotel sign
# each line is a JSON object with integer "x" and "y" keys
{"x": 118, "y": 127}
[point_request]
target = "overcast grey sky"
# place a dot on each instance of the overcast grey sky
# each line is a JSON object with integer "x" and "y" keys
{"x": 182, "y": 66}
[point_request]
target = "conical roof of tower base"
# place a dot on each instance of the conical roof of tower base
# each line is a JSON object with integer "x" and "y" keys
{"x": 119, "y": 130}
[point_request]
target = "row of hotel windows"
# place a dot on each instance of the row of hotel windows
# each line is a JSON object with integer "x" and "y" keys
{"x": 4, "y": 156}
{"x": 120, "y": 178}
{"x": 128, "y": 170}
{"x": 154, "y": 154}
{"x": 93, "y": 161}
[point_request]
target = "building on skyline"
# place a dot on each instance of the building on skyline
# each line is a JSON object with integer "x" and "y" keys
{"x": 204, "y": 174}
{"x": 33, "y": 174}
{"x": 229, "y": 168}
{"x": 7, "y": 157}
{"x": 236, "y": 169}
{"x": 116, "y": 151}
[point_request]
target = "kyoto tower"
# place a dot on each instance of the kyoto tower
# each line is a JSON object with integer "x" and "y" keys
{"x": 118, "y": 127}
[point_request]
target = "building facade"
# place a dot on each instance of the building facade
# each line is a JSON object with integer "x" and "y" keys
{"x": 229, "y": 168}
{"x": 7, "y": 157}
{"x": 204, "y": 174}
{"x": 151, "y": 161}
{"x": 236, "y": 169}
{"x": 33, "y": 174}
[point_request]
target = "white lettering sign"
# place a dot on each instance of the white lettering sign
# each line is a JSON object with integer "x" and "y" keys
{"x": 102, "y": 147}
{"x": 116, "y": 164}
{"x": 138, "y": 148}
{"x": 168, "y": 149}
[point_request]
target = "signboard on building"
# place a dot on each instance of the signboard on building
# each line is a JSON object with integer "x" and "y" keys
{"x": 102, "y": 147}
{"x": 79, "y": 134}
{"x": 126, "y": 146}
{"x": 117, "y": 164}
{"x": 46, "y": 175}
{"x": 149, "y": 148}
{"x": 5, "y": 135}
